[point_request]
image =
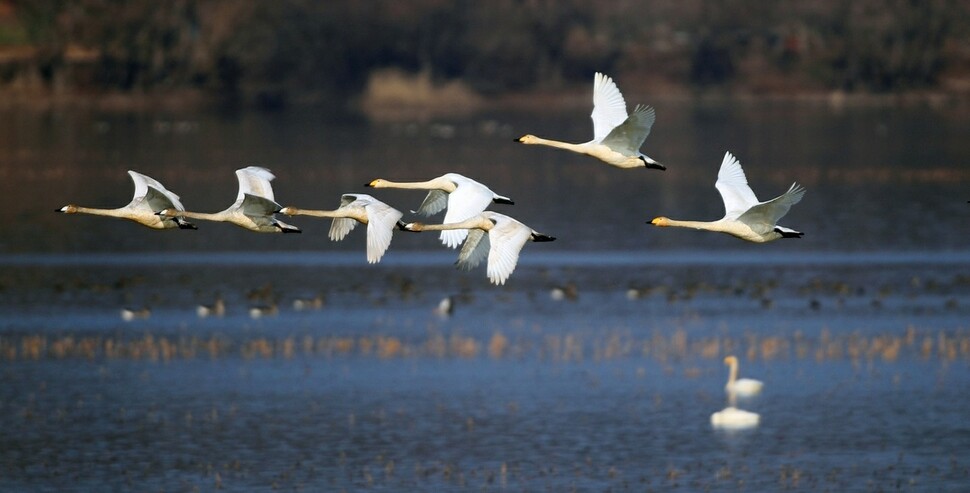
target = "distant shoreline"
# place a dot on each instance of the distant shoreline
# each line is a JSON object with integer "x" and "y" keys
{"x": 196, "y": 100}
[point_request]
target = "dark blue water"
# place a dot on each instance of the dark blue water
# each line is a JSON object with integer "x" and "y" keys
{"x": 859, "y": 330}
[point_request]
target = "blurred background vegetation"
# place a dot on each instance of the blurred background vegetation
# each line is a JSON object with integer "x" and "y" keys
{"x": 271, "y": 53}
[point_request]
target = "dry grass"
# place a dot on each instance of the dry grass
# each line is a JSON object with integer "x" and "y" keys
{"x": 607, "y": 345}
{"x": 392, "y": 94}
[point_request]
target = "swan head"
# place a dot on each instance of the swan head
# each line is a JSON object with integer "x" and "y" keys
{"x": 527, "y": 139}
{"x": 378, "y": 183}
{"x": 730, "y": 360}
{"x": 660, "y": 221}
{"x": 413, "y": 227}
{"x": 68, "y": 209}
{"x": 289, "y": 211}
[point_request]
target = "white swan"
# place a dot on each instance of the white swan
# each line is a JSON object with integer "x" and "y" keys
{"x": 744, "y": 216}
{"x": 734, "y": 418}
{"x": 379, "y": 217}
{"x": 462, "y": 196}
{"x": 216, "y": 309}
{"x": 740, "y": 387}
{"x": 254, "y": 206}
{"x": 504, "y": 240}
{"x": 149, "y": 198}
{"x": 616, "y": 137}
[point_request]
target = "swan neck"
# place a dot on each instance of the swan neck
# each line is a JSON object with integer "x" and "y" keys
{"x": 205, "y": 216}
{"x": 559, "y": 144}
{"x": 123, "y": 212}
{"x": 293, "y": 211}
{"x": 705, "y": 225}
{"x": 733, "y": 372}
{"x": 413, "y": 185}
{"x": 471, "y": 223}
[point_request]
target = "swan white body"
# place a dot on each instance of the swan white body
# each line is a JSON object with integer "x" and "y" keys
{"x": 740, "y": 387}
{"x": 462, "y": 196}
{"x": 734, "y": 418}
{"x": 216, "y": 309}
{"x": 617, "y": 137}
{"x": 253, "y": 209}
{"x": 744, "y": 216}
{"x": 380, "y": 218}
{"x": 497, "y": 236}
{"x": 149, "y": 198}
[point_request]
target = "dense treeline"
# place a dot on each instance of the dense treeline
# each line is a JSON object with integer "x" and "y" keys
{"x": 275, "y": 50}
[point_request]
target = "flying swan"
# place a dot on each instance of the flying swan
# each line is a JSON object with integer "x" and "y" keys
{"x": 379, "y": 217}
{"x": 150, "y": 197}
{"x": 744, "y": 216}
{"x": 504, "y": 240}
{"x": 740, "y": 387}
{"x": 462, "y": 196}
{"x": 254, "y": 206}
{"x": 616, "y": 137}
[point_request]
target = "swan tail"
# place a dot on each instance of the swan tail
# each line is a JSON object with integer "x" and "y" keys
{"x": 503, "y": 200}
{"x": 788, "y": 233}
{"x": 183, "y": 224}
{"x": 286, "y": 228}
{"x": 650, "y": 163}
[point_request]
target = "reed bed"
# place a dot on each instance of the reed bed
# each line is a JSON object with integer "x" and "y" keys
{"x": 911, "y": 343}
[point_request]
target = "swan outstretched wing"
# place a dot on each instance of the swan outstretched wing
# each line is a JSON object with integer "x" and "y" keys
{"x": 767, "y": 214}
{"x": 507, "y": 239}
{"x": 142, "y": 182}
{"x": 468, "y": 200}
{"x": 255, "y": 180}
{"x": 474, "y": 250}
{"x": 157, "y": 200}
{"x": 629, "y": 135}
{"x": 258, "y": 208}
{"x": 733, "y": 185}
{"x": 609, "y": 107}
{"x": 435, "y": 202}
{"x": 341, "y": 226}
{"x": 381, "y": 221}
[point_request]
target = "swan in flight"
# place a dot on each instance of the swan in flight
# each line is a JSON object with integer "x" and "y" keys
{"x": 617, "y": 137}
{"x": 150, "y": 197}
{"x": 254, "y": 206}
{"x": 744, "y": 216}
{"x": 734, "y": 418}
{"x": 462, "y": 196}
{"x": 379, "y": 217}
{"x": 740, "y": 387}
{"x": 497, "y": 236}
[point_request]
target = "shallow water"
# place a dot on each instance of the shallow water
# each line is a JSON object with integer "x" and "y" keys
{"x": 859, "y": 330}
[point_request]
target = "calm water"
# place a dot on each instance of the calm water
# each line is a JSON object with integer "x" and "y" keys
{"x": 859, "y": 330}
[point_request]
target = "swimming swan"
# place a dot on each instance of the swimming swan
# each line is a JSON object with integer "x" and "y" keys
{"x": 734, "y": 418}
{"x": 150, "y": 197}
{"x": 254, "y": 206}
{"x": 741, "y": 387}
{"x": 616, "y": 137}
{"x": 502, "y": 244}
{"x": 744, "y": 216}
{"x": 379, "y": 217}
{"x": 462, "y": 196}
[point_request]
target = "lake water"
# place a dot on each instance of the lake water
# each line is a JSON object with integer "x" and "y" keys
{"x": 859, "y": 330}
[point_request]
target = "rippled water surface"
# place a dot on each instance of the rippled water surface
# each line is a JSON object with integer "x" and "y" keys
{"x": 596, "y": 367}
